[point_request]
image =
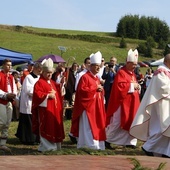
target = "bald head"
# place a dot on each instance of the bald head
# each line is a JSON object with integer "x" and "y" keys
{"x": 167, "y": 60}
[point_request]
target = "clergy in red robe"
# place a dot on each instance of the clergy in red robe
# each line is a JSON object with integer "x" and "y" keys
{"x": 123, "y": 104}
{"x": 88, "y": 121}
{"x": 47, "y": 111}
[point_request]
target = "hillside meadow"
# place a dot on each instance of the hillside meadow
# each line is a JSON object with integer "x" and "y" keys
{"x": 41, "y": 41}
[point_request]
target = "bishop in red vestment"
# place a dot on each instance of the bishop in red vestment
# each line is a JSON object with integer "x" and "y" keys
{"x": 47, "y": 112}
{"x": 123, "y": 104}
{"x": 88, "y": 121}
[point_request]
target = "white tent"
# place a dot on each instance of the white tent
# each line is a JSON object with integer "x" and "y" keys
{"x": 157, "y": 62}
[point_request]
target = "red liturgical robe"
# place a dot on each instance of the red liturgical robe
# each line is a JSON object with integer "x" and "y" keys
{"x": 89, "y": 100}
{"x": 119, "y": 97}
{"x": 47, "y": 121}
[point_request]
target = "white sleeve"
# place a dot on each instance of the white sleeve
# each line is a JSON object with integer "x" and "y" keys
{"x": 131, "y": 88}
{"x": 44, "y": 103}
{"x": 2, "y": 93}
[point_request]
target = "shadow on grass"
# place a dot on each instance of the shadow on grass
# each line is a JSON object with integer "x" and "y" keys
{"x": 68, "y": 148}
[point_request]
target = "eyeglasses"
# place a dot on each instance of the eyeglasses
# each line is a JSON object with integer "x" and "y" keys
{"x": 102, "y": 60}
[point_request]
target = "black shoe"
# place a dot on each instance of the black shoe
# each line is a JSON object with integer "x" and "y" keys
{"x": 107, "y": 145}
{"x": 73, "y": 139}
{"x": 147, "y": 153}
{"x": 165, "y": 156}
{"x": 131, "y": 146}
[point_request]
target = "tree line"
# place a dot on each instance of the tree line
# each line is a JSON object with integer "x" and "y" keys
{"x": 133, "y": 26}
{"x": 151, "y": 29}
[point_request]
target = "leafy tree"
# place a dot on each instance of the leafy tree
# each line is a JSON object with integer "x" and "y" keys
{"x": 161, "y": 44}
{"x": 162, "y": 31}
{"x": 152, "y": 23}
{"x": 167, "y": 49}
{"x": 128, "y": 27}
{"x": 150, "y": 41}
{"x": 141, "y": 48}
{"x": 121, "y": 28}
{"x": 149, "y": 51}
{"x": 134, "y": 27}
{"x": 143, "y": 28}
{"x": 123, "y": 43}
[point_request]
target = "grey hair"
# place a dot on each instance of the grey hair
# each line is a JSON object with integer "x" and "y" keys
{"x": 37, "y": 65}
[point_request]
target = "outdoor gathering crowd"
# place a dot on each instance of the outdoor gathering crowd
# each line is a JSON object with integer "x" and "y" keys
{"x": 106, "y": 103}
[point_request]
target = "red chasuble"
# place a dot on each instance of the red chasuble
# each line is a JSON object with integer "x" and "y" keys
{"x": 47, "y": 121}
{"x": 119, "y": 97}
{"x": 88, "y": 99}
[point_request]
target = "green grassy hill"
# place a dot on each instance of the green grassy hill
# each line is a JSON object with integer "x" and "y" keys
{"x": 79, "y": 44}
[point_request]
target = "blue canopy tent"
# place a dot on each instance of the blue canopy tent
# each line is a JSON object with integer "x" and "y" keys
{"x": 16, "y": 57}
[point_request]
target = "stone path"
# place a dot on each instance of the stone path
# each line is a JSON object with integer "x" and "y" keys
{"x": 78, "y": 162}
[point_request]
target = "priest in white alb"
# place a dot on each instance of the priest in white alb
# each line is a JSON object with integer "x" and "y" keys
{"x": 152, "y": 121}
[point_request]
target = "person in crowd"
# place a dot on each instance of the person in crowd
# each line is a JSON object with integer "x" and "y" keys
{"x": 47, "y": 110}
{"x": 24, "y": 130}
{"x": 70, "y": 88}
{"x": 27, "y": 71}
{"x": 82, "y": 67}
{"x": 8, "y": 92}
{"x": 15, "y": 115}
{"x": 87, "y": 67}
{"x": 59, "y": 73}
{"x": 152, "y": 121}
{"x": 88, "y": 120}
{"x": 108, "y": 76}
{"x": 78, "y": 76}
{"x": 59, "y": 76}
{"x": 148, "y": 77}
{"x": 141, "y": 81}
{"x": 102, "y": 66}
{"x": 137, "y": 72}
{"x": 123, "y": 104}
{"x": 70, "y": 84}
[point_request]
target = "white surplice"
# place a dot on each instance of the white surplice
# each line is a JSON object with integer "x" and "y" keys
{"x": 85, "y": 138}
{"x": 152, "y": 121}
{"x": 115, "y": 134}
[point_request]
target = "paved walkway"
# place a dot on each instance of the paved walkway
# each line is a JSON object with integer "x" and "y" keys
{"x": 78, "y": 162}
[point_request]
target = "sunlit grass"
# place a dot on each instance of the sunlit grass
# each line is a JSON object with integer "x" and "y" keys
{"x": 39, "y": 46}
{"x": 68, "y": 148}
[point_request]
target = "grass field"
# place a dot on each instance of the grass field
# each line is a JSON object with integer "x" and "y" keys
{"x": 39, "y": 45}
{"x": 67, "y": 146}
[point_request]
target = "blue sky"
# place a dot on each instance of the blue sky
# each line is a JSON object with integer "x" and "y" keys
{"x": 85, "y": 15}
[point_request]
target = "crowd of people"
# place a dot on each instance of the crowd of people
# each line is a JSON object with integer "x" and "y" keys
{"x": 111, "y": 104}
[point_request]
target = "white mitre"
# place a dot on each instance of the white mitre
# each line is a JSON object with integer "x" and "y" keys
{"x": 132, "y": 56}
{"x": 91, "y": 55}
{"x": 43, "y": 61}
{"x": 96, "y": 58}
{"x": 48, "y": 65}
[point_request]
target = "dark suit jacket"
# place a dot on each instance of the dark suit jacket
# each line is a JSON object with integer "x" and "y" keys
{"x": 108, "y": 78}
